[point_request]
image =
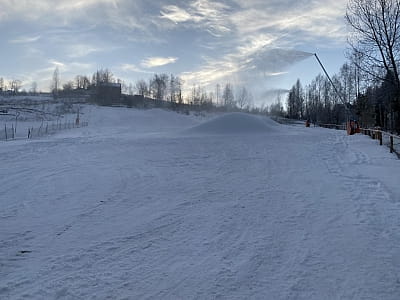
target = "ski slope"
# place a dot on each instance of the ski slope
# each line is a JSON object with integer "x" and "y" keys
{"x": 150, "y": 204}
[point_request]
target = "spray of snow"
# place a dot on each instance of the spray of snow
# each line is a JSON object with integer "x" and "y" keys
{"x": 236, "y": 123}
{"x": 264, "y": 68}
{"x": 276, "y": 60}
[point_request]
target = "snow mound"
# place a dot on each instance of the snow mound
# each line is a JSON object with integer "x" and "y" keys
{"x": 236, "y": 123}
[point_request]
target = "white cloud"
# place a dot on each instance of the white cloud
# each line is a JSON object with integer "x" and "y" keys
{"x": 38, "y": 9}
{"x": 81, "y": 50}
{"x": 129, "y": 67}
{"x": 71, "y": 14}
{"x": 311, "y": 20}
{"x": 56, "y": 63}
{"x": 175, "y": 14}
{"x": 152, "y": 62}
{"x": 133, "y": 68}
{"x": 25, "y": 39}
{"x": 275, "y": 73}
{"x": 82, "y": 4}
{"x": 210, "y": 16}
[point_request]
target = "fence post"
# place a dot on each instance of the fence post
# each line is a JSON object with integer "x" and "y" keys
{"x": 5, "y": 130}
{"x": 380, "y": 138}
{"x": 391, "y": 144}
{"x": 13, "y": 133}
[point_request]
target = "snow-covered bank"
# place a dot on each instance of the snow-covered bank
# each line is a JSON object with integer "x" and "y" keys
{"x": 133, "y": 206}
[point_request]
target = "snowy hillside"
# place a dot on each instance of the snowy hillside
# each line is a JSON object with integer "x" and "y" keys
{"x": 157, "y": 205}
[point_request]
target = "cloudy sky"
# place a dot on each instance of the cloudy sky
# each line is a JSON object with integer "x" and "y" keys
{"x": 259, "y": 43}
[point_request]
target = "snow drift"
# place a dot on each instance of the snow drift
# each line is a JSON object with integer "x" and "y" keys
{"x": 236, "y": 123}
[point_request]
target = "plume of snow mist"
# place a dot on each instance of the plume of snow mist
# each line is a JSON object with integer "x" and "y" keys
{"x": 262, "y": 72}
{"x": 275, "y": 61}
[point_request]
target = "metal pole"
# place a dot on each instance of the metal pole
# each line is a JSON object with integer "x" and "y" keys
{"x": 391, "y": 144}
{"x": 334, "y": 87}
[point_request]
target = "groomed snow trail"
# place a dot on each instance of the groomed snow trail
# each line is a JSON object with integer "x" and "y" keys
{"x": 133, "y": 207}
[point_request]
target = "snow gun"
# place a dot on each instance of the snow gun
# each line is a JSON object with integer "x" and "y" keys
{"x": 351, "y": 124}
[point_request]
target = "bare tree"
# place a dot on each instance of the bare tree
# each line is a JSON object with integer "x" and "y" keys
{"x": 195, "y": 95}
{"x": 178, "y": 89}
{"x": 1, "y": 84}
{"x": 204, "y": 99}
{"x": 243, "y": 98}
{"x": 376, "y": 44}
{"x": 217, "y": 93}
{"x": 172, "y": 88}
{"x": 276, "y": 109}
{"x": 158, "y": 86}
{"x": 295, "y": 101}
{"x": 68, "y": 87}
{"x": 55, "y": 84}
{"x": 228, "y": 97}
{"x": 142, "y": 87}
{"x": 82, "y": 82}
{"x": 16, "y": 86}
{"x": 348, "y": 83}
{"x": 376, "y": 36}
{"x": 102, "y": 76}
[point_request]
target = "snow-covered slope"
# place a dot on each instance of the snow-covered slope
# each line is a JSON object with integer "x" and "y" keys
{"x": 131, "y": 208}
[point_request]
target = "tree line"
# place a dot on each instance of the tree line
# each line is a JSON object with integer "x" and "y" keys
{"x": 12, "y": 86}
{"x": 161, "y": 87}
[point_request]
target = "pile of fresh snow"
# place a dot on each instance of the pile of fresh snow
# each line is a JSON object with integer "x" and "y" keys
{"x": 236, "y": 123}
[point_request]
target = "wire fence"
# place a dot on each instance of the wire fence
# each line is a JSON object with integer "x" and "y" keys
{"x": 9, "y": 132}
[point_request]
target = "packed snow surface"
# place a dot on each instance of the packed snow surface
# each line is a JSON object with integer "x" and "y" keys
{"x": 131, "y": 208}
{"x": 236, "y": 123}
